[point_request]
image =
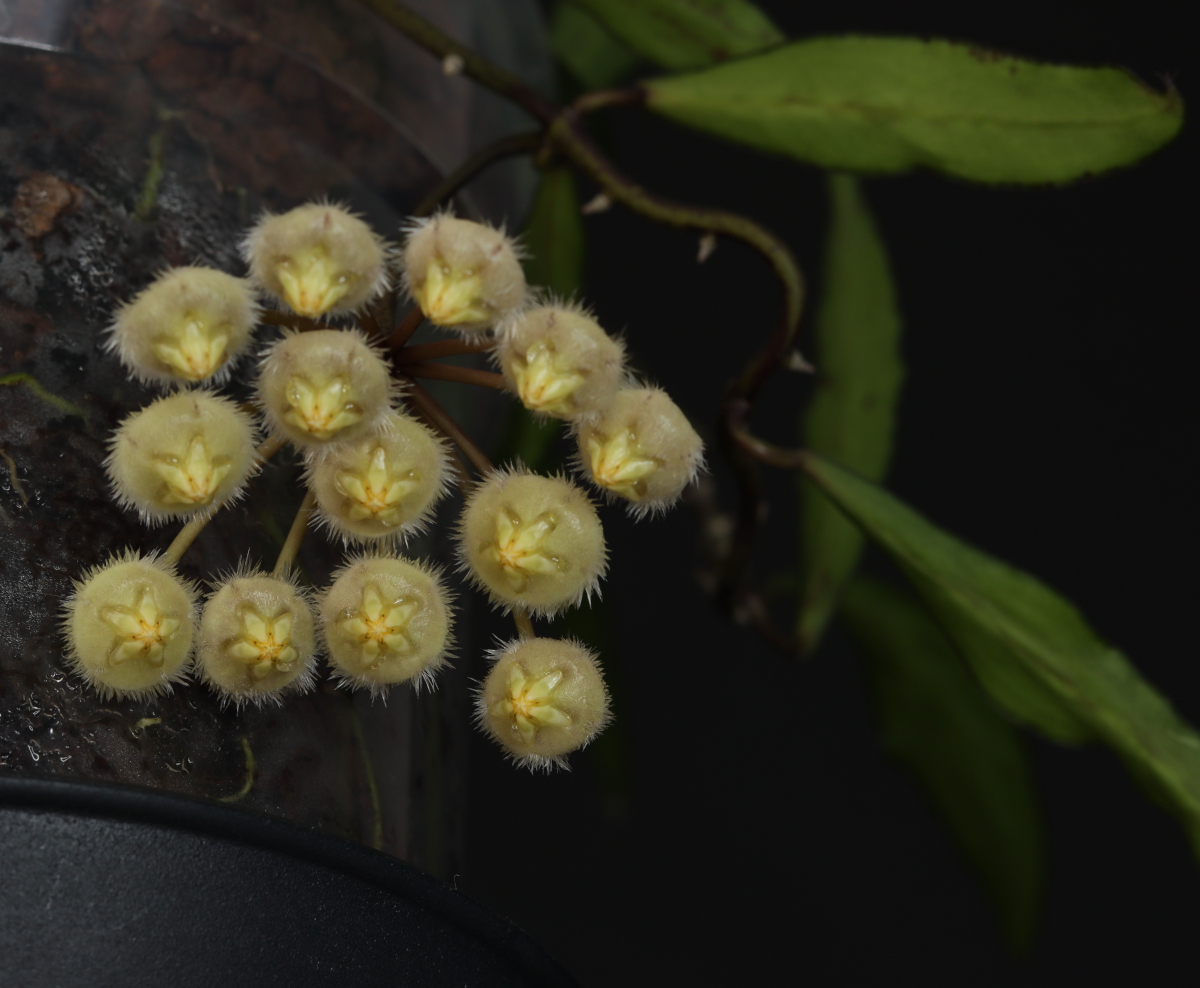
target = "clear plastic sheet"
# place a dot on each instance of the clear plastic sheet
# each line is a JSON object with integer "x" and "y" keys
{"x": 134, "y": 135}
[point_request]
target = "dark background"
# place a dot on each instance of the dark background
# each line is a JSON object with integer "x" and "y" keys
{"x": 743, "y": 825}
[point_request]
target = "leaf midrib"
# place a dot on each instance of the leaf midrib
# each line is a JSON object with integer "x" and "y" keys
{"x": 902, "y": 113}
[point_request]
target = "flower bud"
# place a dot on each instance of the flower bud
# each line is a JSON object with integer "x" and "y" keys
{"x": 383, "y": 485}
{"x": 129, "y": 626}
{"x": 185, "y": 453}
{"x": 533, "y": 542}
{"x": 543, "y": 698}
{"x": 318, "y": 259}
{"x": 463, "y": 275}
{"x": 257, "y": 639}
{"x": 641, "y": 448}
{"x": 385, "y": 620}
{"x": 190, "y": 325}
{"x": 325, "y": 386}
{"x": 559, "y": 361}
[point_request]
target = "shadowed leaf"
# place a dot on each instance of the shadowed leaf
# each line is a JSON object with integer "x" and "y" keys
{"x": 595, "y": 56}
{"x": 687, "y": 34}
{"x": 554, "y": 237}
{"x": 969, "y": 761}
{"x": 853, "y": 410}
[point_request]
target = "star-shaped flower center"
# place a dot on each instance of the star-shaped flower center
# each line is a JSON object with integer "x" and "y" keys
{"x": 142, "y": 631}
{"x": 619, "y": 464}
{"x": 265, "y": 645}
{"x": 530, "y": 704}
{"x": 378, "y": 628}
{"x": 196, "y": 349}
{"x": 544, "y": 384}
{"x": 518, "y": 548}
{"x": 321, "y": 410}
{"x": 377, "y": 491}
{"x": 452, "y": 298}
{"x": 194, "y": 477}
{"x": 312, "y": 283}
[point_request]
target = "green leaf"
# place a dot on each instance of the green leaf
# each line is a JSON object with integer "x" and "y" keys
{"x": 970, "y": 762}
{"x": 687, "y": 34}
{"x": 891, "y": 104}
{"x": 853, "y": 411}
{"x": 554, "y": 237}
{"x": 610, "y": 752}
{"x": 1029, "y": 647}
{"x": 596, "y": 57}
{"x": 526, "y": 439}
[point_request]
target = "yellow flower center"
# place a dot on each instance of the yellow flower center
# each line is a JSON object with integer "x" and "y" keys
{"x": 378, "y": 628}
{"x": 518, "y": 548}
{"x": 264, "y": 645}
{"x": 142, "y": 631}
{"x": 377, "y": 491}
{"x": 451, "y": 298}
{"x": 312, "y": 283}
{"x": 194, "y": 477}
{"x": 196, "y": 349}
{"x": 544, "y": 384}
{"x": 321, "y": 410}
{"x": 619, "y": 465}
{"x": 529, "y": 704}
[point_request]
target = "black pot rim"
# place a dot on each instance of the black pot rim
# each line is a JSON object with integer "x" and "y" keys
{"x": 135, "y": 804}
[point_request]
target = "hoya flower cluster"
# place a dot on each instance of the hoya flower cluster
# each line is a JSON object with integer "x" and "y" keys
{"x": 375, "y": 471}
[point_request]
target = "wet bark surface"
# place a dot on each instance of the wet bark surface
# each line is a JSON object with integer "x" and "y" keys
{"x": 154, "y": 142}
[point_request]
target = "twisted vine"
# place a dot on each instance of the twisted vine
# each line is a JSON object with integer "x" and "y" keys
{"x": 563, "y": 134}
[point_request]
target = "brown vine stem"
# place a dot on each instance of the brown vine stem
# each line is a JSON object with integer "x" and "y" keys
{"x": 599, "y": 98}
{"x": 506, "y": 147}
{"x": 295, "y": 535}
{"x": 447, "y": 426}
{"x": 187, "y": 535}
{"x": 575, "y": 145}
{"x": 443, "y": 348}
{"x": 408, "y": 325}
{"x": 760, "y": 449}
{"x": 473, "y": 65}
{"x": 463, "y": 375}
{"x": 565, "y": 134}
{"x": 564, "y": 131}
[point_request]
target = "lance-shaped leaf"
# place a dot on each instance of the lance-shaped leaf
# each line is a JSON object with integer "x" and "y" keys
{"x": 610, "y": 752}
{"x": 1029, "y": 647}
{"x": 595, "y": 56}
{"x": 851, "y": 416}
{"x": 891, "y": 104}
{"x": 687, "y": 34}
{"x": 969, "y": 761}
{"x": 554, "y": 236}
